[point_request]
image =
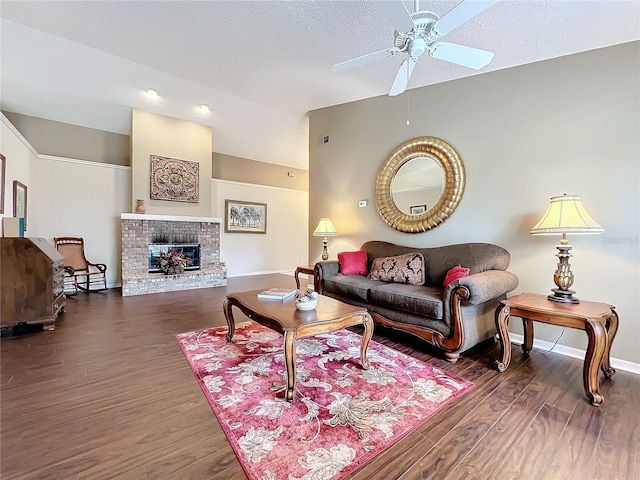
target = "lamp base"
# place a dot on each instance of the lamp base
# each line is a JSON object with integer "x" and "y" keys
{"x": 325, "y": 251}
{"x": 563, "y": 296}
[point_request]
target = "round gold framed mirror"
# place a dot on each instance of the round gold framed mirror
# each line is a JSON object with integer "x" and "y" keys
{"x": 419, "y": 214}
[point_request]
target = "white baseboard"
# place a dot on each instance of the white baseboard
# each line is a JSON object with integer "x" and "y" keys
{"x": 266, "y": 272}
{"x": 575, "y": 353}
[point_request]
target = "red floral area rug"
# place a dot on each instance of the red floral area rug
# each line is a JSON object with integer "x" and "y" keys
{"x": 341, "y": 417}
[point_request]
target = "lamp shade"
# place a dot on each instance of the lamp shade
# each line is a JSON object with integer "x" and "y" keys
{"x": 325, "y": 228}
{"x": 566, "y": 215}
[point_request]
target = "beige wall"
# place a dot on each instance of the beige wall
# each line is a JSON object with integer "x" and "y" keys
{"x": 228, "y": 167}
{"x": 71, "y": 141}
{"x": 153, "y": 134}
{"x": 567, "y": 125}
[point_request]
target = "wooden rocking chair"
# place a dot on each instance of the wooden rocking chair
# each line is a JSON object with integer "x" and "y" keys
{"x": 81, "y": 273}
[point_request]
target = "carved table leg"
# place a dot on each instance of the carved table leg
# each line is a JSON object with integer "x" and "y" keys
{"x": 527, "y": 324}
{"x": 598, "y": 344}
{"x": 367, "y": 321}
{"x": 295, "y": 275}
{"x": 228, "y": 314}
{"x": 290, "y": 364}
{"x": 502, "y": 319}
{"x": 612, "y": 329}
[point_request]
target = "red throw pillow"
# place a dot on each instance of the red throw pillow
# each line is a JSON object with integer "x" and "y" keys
{"x": 455, "y": 273}
{"x": 353, "y": 263}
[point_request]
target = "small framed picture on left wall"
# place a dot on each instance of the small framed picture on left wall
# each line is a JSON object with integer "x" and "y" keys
{"x": 3, "y": 173}
{"x": 20, "y": 201}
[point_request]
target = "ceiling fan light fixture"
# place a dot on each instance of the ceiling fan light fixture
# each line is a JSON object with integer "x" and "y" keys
{"x": 417, "y": 47}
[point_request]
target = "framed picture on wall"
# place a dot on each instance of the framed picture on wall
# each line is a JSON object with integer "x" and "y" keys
{"x": 417, "y": 209}
{"x": 245, "y": 217}
{"x": 3, "y": 172}
{"x": 20, "y": 201}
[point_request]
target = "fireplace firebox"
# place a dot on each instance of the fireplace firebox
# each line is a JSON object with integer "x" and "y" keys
{"x": 191, "y": 251}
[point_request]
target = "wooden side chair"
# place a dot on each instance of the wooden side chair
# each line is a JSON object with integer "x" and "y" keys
{"x": 81, "y": 273}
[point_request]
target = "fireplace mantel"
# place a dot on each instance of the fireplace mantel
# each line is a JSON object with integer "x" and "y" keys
{"x": 168, "y": 218}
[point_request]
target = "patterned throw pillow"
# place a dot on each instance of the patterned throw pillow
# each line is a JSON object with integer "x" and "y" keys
{"x": 407, "y": 268}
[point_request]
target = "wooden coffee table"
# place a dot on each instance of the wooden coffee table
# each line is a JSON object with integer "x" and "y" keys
{"x": 282, "y": 316}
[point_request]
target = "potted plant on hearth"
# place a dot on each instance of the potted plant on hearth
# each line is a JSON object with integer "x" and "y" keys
{"x": 172, "y": 262}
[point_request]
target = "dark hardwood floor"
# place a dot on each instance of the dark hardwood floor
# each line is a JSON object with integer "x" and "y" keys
{"x": 108, "y": 394}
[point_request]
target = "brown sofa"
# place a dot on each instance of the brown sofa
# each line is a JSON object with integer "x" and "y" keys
{"x": 454, "y": 318}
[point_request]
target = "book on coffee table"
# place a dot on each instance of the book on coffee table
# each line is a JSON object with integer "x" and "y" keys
{"x": 277, "y": 293}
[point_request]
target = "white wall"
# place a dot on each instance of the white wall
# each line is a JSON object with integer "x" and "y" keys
{"x": 18, "y": 167}
{"x": 82, "y": 199}
{"x": 524, "y": 134}
{"x": 283, "y": 247}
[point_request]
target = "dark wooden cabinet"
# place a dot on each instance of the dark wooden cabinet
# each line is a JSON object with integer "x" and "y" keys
{"x": 32, "y": 282}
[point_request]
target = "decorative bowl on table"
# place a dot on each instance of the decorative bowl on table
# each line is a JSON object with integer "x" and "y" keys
{"x": 307, "y": 300}
{"x": 308, "y": 305}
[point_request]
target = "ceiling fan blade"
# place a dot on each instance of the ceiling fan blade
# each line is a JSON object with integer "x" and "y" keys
{"x": 397, "y": 15}
{"x": 402, "y": 77}
{"x": 461, "y": 13}
{"x": 364, "y": 59}
{"x": 465, "y": 56}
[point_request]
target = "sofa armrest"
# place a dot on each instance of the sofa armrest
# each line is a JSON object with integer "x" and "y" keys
{"x": 475, "y": 289}
{"x": 485, "y": 286}
{"x": 322, "y": 270}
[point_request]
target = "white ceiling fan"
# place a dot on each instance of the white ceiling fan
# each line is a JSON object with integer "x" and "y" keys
{"x": 420, "y": 32}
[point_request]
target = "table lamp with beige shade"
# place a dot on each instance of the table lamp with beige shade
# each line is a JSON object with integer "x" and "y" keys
{"x": 325, "y": 229}
{"x": 565, "y": 215}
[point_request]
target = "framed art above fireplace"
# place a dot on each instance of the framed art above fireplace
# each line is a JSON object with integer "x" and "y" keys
{"x": 174, "y": 180}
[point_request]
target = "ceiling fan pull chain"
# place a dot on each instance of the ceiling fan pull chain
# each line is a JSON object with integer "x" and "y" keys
{"x": 408, "y": 108}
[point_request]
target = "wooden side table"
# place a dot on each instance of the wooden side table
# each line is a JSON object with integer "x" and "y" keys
{"x": 306, "y": 270}
{"x": 599, "y": 320}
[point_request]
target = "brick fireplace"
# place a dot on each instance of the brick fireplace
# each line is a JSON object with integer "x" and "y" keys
{"x": 141, "y": 230}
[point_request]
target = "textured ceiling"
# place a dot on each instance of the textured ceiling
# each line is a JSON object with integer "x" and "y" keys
{"x": 259, "y": 65}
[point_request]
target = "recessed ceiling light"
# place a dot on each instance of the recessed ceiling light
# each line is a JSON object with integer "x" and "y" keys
{"x": 152, "y": 94}
{"x": 203, "y": 108}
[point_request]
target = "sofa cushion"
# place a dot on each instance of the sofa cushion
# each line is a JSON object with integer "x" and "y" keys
{"x": 350, "y": 286}
{"x": 407, "y": 268}
{"x": 455, "y": 273}
{"x": 416, "y": 299}
{"x": 353, "y": 263}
